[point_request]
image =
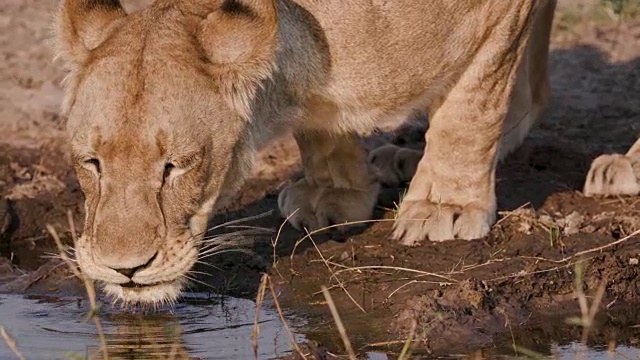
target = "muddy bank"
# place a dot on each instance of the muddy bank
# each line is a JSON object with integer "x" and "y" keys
{"x": 473, "y": 291}
{"x": 463, "y": 295}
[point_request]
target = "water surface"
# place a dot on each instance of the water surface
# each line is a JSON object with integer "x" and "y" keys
{"x": 54, "y": 328}
{"x": 199, "y": 327}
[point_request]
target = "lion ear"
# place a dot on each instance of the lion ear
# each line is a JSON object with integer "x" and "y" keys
{"x": 240, "y": 38}
{"x": 82, "y": 25}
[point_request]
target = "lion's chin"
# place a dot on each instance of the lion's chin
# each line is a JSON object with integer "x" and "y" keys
{"x": 148, "y": 295}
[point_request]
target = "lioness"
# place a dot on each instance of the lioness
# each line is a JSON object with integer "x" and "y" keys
{"x": 167, "y": 106}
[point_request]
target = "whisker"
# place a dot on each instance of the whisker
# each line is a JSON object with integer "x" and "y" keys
{"x": 67, "y": 249}
{"x": 250, "y": 227}
{"x": 235, "y": 234}
{"x": 51, "y": 255}
{"x": 222, "y": 248}
{"x": 199, "y": 273}
{"x": 208, "y": 264}
{"x": 228, "y": 240}
{"x": 245, "y": 219}
{"x": 236, "y": 241}
{"x": 242, "y": 231}
{"x": 70, "y": 251}
{"x": 239, "y": 233}
{"x": 199, "y": 282}
{"x": 211, "y": 251}
{"x": 249, "y": 252}
{"x": 56, "y": 256}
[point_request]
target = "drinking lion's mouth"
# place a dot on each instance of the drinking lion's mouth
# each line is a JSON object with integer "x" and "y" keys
{"x": 157, "y": 293}
{"x": 135, "y": 285}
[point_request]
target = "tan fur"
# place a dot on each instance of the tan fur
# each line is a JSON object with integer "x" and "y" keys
{"x": 615, "y": 174}
{"x": 168, "y": 105}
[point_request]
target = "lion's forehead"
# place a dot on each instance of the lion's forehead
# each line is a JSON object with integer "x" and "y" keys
{"x": 117, "y": 102}
{"x": 147, "y": 96}
{"x": 150, "y": 58}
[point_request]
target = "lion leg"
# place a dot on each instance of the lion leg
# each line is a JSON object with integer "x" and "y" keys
{"x": 394, "y": 165}
{"x": 452, "y": 194}
{"x": 532, "y": 90}
{"x": 615, "y": 174}
{"x": 338, "y": 186}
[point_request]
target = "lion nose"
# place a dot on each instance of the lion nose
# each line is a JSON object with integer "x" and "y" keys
{"x": 129, "y": 272}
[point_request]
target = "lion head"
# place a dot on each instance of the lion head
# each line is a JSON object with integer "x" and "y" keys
{"x": 157, "y": 104}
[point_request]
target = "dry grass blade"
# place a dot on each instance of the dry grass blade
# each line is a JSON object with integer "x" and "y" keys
{"x": 507, "y": 324}
{"x": 173, "y": 353}
{"x": 11, "y": 343}
{"x": 401, "y": 287}
{"x": 274, "y": 243}
{"x": 311, "y": 233}
{"x": 339, "y": 324}
{"x": 523, "y": 273}
{"x": 588, "y": 313}
{"x": 292, "y": 339}
{"x": 595, "y": 305}
{"x": 385, "y": 343}
{"x": 91, "y": 292}
{"x": 88, "y": 284}
{"x": 340, "y": 283}
{"x": 100, "y": 330}
{"x": 381, "y": 267}
{"x": 508, "y": 214}
{"x": 62, "y": 253}
{"x": 256, "y": 322}
{"x": 620, "y": 241}
{"x": 406, "y": 349}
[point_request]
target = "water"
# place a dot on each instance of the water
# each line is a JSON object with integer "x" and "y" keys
{"x": 54, "y": 328}
{"x": 198, "y": 328}
{"x": 572, "y": 352}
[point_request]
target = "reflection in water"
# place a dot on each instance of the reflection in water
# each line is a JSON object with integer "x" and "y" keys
{"x": 52, "y": 328}
{"x": 139, "y": 336}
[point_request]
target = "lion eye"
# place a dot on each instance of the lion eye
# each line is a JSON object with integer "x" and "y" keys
{"x": 94, "y": 164}
{"x": 167, "y": 170}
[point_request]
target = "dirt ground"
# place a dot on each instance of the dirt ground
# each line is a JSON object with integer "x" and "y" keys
{"x": 462, "y": 295}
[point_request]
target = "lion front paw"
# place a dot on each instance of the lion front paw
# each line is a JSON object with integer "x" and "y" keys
{"x": 612, "y": 175}
{"x": 394, "y": 165}
{"x": 424, "y": 220}
{"x": 313, "y": 207}
{"x": 297, "y": 203}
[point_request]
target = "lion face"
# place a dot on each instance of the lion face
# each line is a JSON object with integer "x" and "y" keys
{"x": 149, "y": 182}
{"x": 156, "y": 140}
